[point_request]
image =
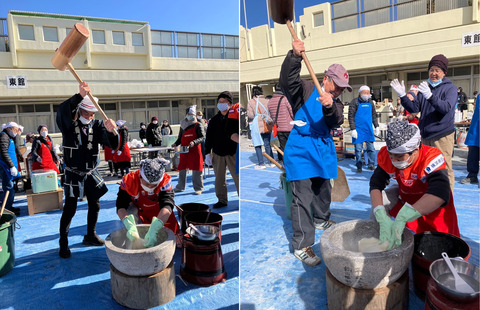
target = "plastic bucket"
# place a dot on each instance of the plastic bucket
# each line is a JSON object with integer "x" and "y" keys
{"x": 187, "y": 208}
{"x": 7, "y": 242}
{"x": 287, "y": 192}
{"x": 428, "y": 247}
{"x": 199, "y": 218}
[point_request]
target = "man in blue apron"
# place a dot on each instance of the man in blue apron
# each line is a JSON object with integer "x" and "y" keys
{"x": 9, "y": 164}
{"x": 310, "y": 158}
{"x": 361, "y": 116}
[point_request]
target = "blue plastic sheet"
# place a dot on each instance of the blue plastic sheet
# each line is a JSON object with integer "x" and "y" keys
{"x": 271, "y": 277}
{"x": 43, "y": 280}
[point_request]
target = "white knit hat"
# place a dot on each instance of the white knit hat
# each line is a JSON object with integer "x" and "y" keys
{"x": 192, "y": 109}
{"x": 87, "y": 104}
{"x": 364, "y": 87}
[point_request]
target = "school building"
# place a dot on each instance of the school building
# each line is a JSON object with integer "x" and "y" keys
{"x": 136, "y": 72}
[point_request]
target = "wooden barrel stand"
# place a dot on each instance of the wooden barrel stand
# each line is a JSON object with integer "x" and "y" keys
{"x": 143, "y": 292}
{"x": 392, "y": 297}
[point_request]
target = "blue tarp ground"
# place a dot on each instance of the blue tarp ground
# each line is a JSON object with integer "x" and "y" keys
{"x": 43, "y": 280}
{"x": 271, "y": 277}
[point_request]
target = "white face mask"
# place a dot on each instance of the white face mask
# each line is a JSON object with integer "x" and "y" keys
{"x": 143, "y": 127}
{"x": 12, "y": 134}
{"x": 147, "y": 189}
{"x": 222, "y": 106}
{"x": 44, "y": 133}
{"x": 199, "y": 117}
{"x": 402, "y": 164}
{"x": 365, "y": 97}
{"x": 84, "y": 120}
{"x": 190, "y": 117}
{"x": 155, "y": 122}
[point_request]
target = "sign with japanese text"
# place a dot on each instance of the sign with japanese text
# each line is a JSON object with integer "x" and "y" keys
{"x": 16, "y": 82}
{"x": 471, "y": 39}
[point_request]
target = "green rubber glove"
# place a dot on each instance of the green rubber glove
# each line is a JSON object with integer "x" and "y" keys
{"x": 406, "y": 214}
{"x": 151, "y": 236}
{"x": 386, "y": 226}
{"x": 131, "y": 226}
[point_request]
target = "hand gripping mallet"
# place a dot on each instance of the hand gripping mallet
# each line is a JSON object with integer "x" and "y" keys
{"x": 66, "y": 52}
{"x": 281, "y": 11}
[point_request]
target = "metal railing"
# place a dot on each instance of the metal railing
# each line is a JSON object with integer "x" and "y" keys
{"x": 194, "y": 45}
{"x": 4, "y": 47}
{"x": 352, "y": 14}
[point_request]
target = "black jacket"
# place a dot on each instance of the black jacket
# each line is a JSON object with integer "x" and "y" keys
{"x": 143, "y": 134}
{"x": 298, "y": 91}
{"x": 217, "y": 138}
{"x": 154, "y": 134}
{"x": 4, "y": 144}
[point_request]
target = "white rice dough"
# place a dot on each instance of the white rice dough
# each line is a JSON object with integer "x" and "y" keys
{"x": 371, "y": 245}
{"x": 137, "y": 244}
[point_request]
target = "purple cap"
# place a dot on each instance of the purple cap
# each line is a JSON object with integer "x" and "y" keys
{"x": 339, "y": 75}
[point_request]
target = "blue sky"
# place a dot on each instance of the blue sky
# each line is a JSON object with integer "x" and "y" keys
{"x": 257, "y": 11}
{"x": 208, "y": 16}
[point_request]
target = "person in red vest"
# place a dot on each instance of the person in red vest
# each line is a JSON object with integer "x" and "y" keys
{"x": 122, "y": 157}
{"x": 422, "y": 201}
{"x": 43, "y": 153}
{"x": 191, "y": 136}
{"x": 146, "y": 196}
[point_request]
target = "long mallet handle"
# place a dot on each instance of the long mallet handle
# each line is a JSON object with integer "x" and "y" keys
{"x": 273, "y": 161}
{"x": 4, "y": 203}
{"x": 305, "y": 59}
{"x": 80, "y": 81}
{"x": 277, "y": 148}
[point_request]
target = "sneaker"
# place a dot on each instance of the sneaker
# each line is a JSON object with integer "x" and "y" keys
{"x": 271, "y": 165}
{"x": 198, "y": 192}
{"x": 307, "y": 256}
{"x": 219, "y": 205}
{"x": 371, "y": 167}
{"x": 93, "y": 240}
{"x": 469, "y": 181}
{"x": 177, "y": 190}
{"x": 359, "y": 169}
{"x": 325, "y": 225}
{"x": 260, "y": 167}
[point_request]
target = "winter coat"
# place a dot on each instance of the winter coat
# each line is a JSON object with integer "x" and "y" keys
{"x": 217, "y": 138}
{"x": 154, "y": 134}
{"x": 285, "y": 113}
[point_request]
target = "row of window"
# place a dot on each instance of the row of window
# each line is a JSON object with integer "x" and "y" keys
{"x": 50, "y": 34}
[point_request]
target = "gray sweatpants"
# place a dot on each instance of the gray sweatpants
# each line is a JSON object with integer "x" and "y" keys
{"x": 309, "y": 195}
{"x": 197, "y": 180}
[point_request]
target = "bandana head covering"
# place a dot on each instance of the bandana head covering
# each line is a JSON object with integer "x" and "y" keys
{"x": 87, "y": 104}
{"x": 11, "y": 124}
{"x": 192, "y": 110}
{"x": 402, "y": 137}
{"x": 364, "y": 87}
{"x": 153, "y": 170}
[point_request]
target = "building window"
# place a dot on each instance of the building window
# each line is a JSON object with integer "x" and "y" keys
{"x": 318, "y": 19}
{"x": 26, "y": 32}
{"x": 118, "y": 37}
{"x": 137, "y": 39}
{"x": 98, "y": 36}
{"x": 50, "y": 34}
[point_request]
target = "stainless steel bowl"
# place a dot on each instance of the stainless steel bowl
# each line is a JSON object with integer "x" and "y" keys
{"x": 210, "y": 232}
{"x": 445, "y": 280}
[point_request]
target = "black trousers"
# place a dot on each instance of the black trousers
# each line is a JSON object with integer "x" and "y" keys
{"x": 69, "y": 210}
{"x": 473, "y": 158}
{"x": 310, "y": 204}
{"x": 282, "y": 138}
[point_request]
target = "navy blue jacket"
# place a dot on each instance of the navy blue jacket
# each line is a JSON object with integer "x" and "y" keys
{"x": 437, "y": 113}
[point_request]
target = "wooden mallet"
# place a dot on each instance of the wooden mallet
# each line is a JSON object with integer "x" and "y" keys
{"x": 66, "y": 52}
{"x": 4, "y": 203}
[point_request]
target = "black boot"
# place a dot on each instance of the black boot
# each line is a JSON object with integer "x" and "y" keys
{"x": 93, "y": 239}
{"x": 64, "y": 250}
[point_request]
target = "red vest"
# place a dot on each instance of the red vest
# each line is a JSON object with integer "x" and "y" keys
{"x": 413, "y": 185}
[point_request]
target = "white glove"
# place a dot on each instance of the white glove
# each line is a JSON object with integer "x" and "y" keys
{"x": 399, "y": 88}
{"x": 119, "y": 153}
{"x": 39, "y": 159}
{"x": 354, "y": 134}
{"x": 13, "y": 171}
{"x": 113, "y": 151}
{"x": 377, "y": 131}
{"x": 425, "y": 90}
{"x": 150, "y": 145}
{"x": 208, "y": 160}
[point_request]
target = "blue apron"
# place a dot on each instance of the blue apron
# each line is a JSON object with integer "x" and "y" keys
{"x": 13, "y": 157}
{"x": 310, "y": 151}
{"x": 473, "y": 138}
{"x": 363, "y": 123}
